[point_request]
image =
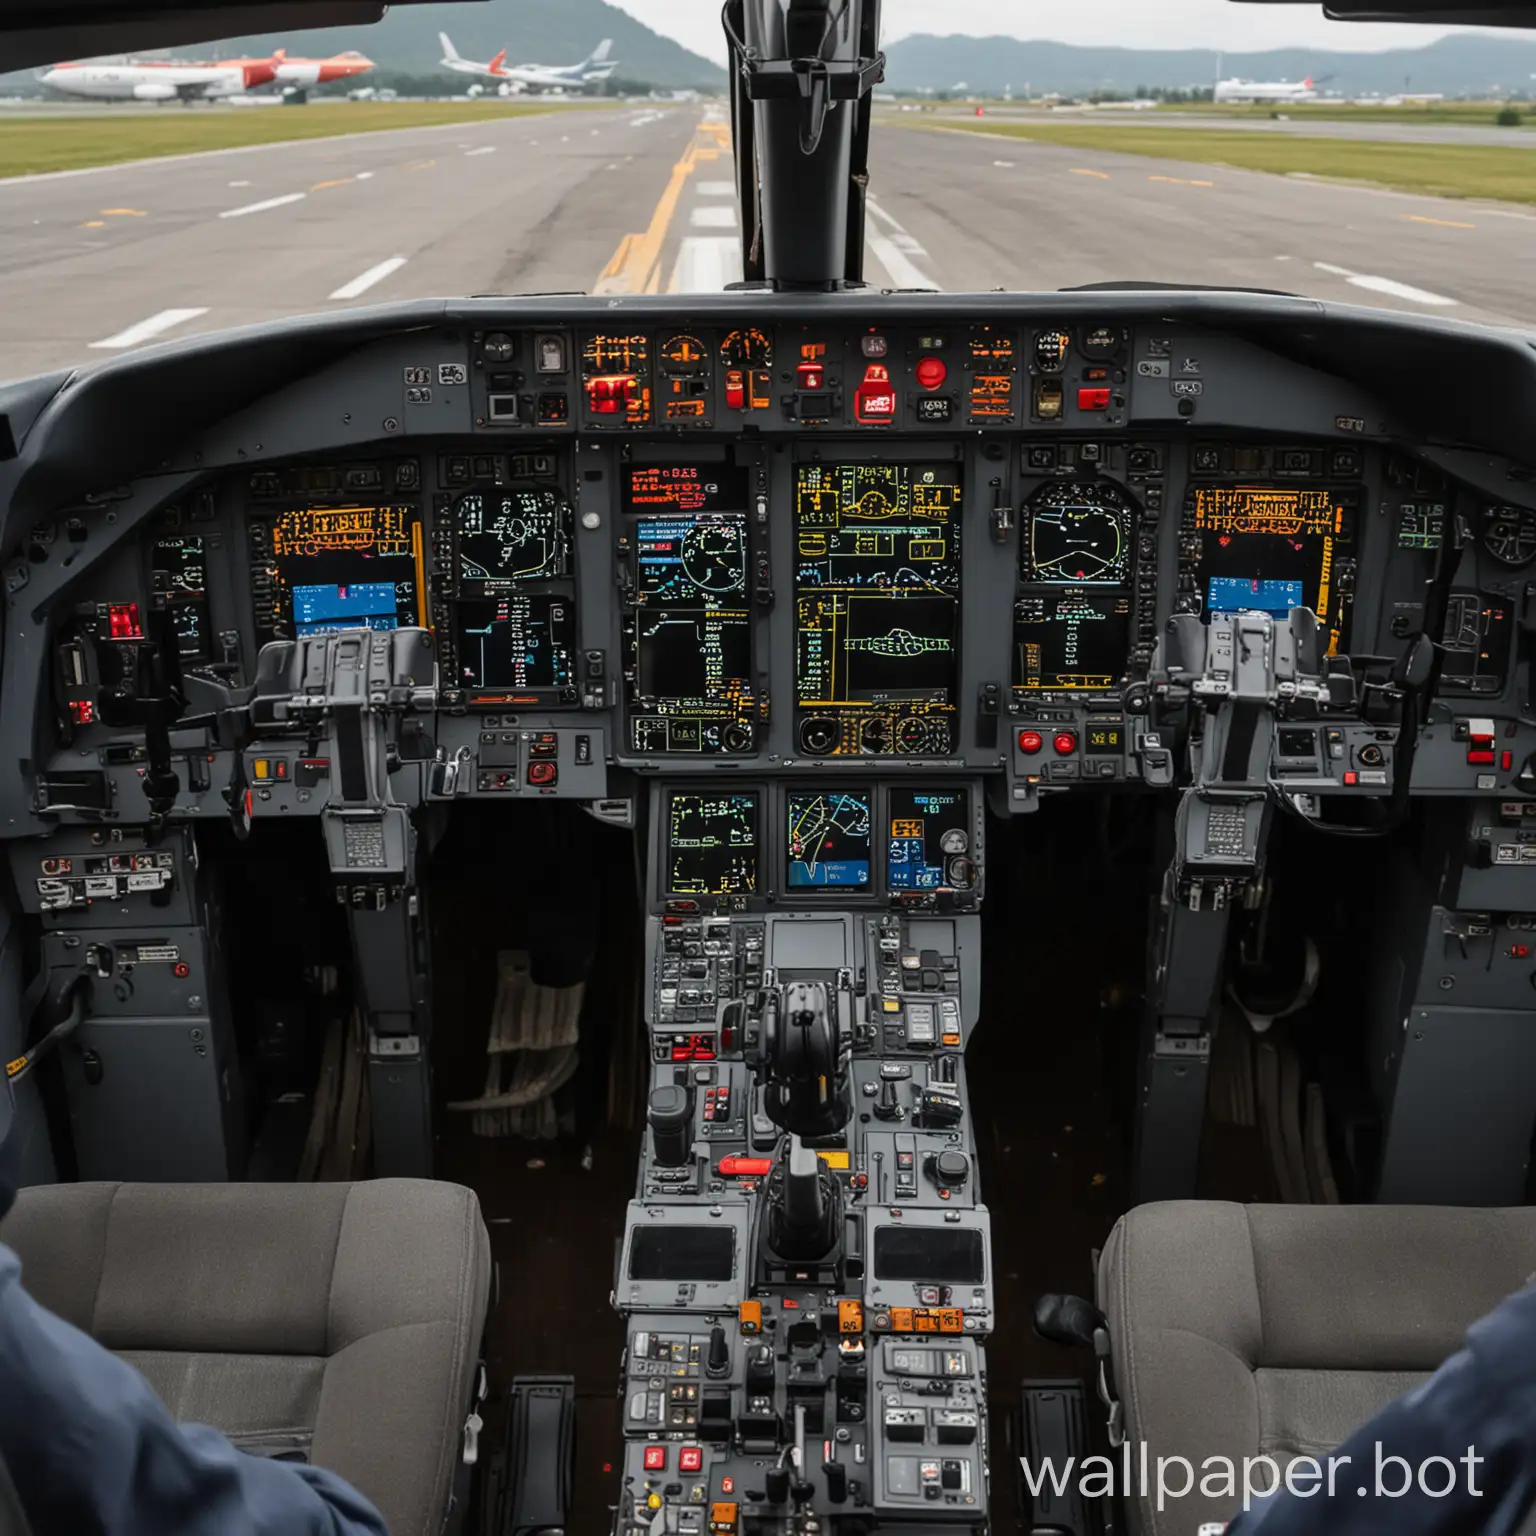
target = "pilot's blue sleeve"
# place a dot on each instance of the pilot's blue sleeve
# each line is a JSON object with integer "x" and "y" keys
{"x": 92, "y": 1450}
{"x": 1477, "y": 1413}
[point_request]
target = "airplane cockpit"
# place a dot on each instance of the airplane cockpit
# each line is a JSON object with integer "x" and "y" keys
{"x": 733, "y": 784}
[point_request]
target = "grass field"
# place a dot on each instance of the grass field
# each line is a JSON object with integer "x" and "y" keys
{"x": 1442, "y": 170}
{"x": 32, "y": 144}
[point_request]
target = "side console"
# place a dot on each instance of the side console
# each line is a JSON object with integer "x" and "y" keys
{"x": 806, "y": 1273}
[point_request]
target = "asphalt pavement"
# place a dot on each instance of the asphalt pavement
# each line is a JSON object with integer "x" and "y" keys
{"x": 95, "y": 263}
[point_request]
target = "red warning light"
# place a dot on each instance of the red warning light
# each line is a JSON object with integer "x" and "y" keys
{"x": 123, "y": 621}
{"x": 875, "y": 399}
{"x": 82, "y": 711}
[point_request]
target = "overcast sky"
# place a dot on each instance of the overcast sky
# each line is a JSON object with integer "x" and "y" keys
{"x": 1128, "y": 23}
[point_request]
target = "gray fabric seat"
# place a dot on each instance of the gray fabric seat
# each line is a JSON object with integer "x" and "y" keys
{"x": 342, "y": 1321}
{"x": 1242, "y": 1331}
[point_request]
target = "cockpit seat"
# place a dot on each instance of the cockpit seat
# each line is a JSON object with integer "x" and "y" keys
{"x": 1272, "y": 1330}
{"x": 339, "y": 1323}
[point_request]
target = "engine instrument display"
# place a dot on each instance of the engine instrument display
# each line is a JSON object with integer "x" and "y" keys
{"x": 335, "y": 568}
{"x": 1079, "y": 531}
{"x": 181, "y": 582}
{"x": 829, "y": 840}
{"x": 511, "y": 536}
{"x": 688, "y": 635}
{"x": 616, "y": 380}
{"x": 877, "y": 588}
{"x": 1269, "y": 548}
{"x": 516, "y": 642}
{"x": 1071, "y": 639}
{"x": 711, "y": 845}
{"x": 929, "y": 847}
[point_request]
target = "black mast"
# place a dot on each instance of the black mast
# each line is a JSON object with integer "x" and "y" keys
{"x": 802, "y": 74}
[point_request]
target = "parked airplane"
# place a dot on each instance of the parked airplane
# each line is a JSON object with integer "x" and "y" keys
{"x": 1265, "y": 90}
{"x": 160, "y": 80}
{"x": 596, "y": 67}
{"x": 307, "y": 72}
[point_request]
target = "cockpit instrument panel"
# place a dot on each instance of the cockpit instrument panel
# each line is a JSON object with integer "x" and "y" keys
{"x": 1079, "y": 533}
{"x": 1479, "y": 631}
{"x": 334, "y": 568}
{"x": 688, "y": 628}
{"x": 1509, "y": 535}
{"x": 877, "y": 592}
{"x": 829, "y": 840}
{"x": 1270, "y": 548}
{"x": 616, "y": 381}
{"x": 180, "y": 576}
{"x": 710, "y": 843}
{"x": 1071, "y": 640}
{"x": 515, "y": 645}
{"x": 929, "y": 841}
{"x": 510, "y": 536}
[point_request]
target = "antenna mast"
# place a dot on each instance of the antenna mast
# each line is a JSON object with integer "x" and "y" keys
{"x": 803, "y": 74}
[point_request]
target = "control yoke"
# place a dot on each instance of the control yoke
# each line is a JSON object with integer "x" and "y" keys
{"x": 353, "y": 693}
{"x": 793, "y": 1038}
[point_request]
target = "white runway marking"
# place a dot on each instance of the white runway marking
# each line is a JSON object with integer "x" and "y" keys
{"x": 360, "y": 285}
{"x": 1003, "y": 165}
{"x": 271, "y": 202}
{"x": 239, "y": 183}
{"x": 1384, "y": 285}
{"x": 145, "y": 329}
{"x": 365, "y": 175}
{"x": 896, "y": 250}
{"x": 485, "y": 149}
{"x": 705, "y": 264}
{"x": 713, "y": 216}
{"x": 716, "y": 189}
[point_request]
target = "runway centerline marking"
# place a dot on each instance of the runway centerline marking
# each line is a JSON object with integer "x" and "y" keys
{"x": 716, "y": 189}
{"x": 895, "y": 251}
{"x": 94, "y": 224}
{"x": 421, "y": 165}
{"x": 361, "y": 284}
{"x": 365, "y": 175}
{"x": 1182, "y": 181}
{"x": 127, "y": 213}
{"x": 340, "y": 181}
{"x": 484, "y": 149}
{"x": 261, "y": 207}
{"x": 146, "y": 329}
{"x": 239, "y": 183}
{"x": 1385, "y": 285}
{"x": 1420, "y": 218}
{"x": 713, "y": 216}
{"x": 1101, "y": 175}
{"x": 1003, "y": 165}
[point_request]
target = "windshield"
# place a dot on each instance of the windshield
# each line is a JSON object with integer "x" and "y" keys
{"x": 517, "y": 147}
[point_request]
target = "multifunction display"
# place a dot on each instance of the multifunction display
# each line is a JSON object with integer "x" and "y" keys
{"x": 710, "y": 844}
{"x": 506, "y": 537}
{"x": 181, "y": 583}
{"x": 1071, "y": 639}
{"x": 1269, "y": 549}
{"x": 829, "y": 840}
{"x": 929, "y": 845}
{"x": 335, "y": 568}
{"x": 877, "y": 592}
{"x": 518, "y": 641}
{"x": 687, "y": 631}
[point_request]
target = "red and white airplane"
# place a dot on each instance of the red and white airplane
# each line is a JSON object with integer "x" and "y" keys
{"x": 191, "y": 80}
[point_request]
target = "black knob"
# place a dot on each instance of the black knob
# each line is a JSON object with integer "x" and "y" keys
{"x": 951, "y": 1168}
{"x": 778, "y": 1484}
{"x": 837, "y": 1482}
{"x": 1067, "y": 1320}
{"x": 670, "y": 1113}
{"x": 719, "y": 1362}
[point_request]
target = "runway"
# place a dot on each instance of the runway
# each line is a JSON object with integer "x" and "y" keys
{"x": 98, "y": 263}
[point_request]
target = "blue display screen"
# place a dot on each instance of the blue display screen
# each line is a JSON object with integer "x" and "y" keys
{"x": 323, "y": 609}
{"x": 1239, "y": 594}
{"x": 926, "y": 831}
{"x": 829, "y": 840}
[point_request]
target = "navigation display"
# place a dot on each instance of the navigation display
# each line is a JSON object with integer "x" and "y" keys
{"x": 506, "y": 537}
{"x": 517, "y": 641}
{"x": 181, "y": 577}
{"x": 1268, "y": 548}
{"x": 1078, "y": 532}
{"x": 337, "y": 568}
{"x": 1071, "y": 639}
{"x": 711, "y": 845}
{"x": 684, "y": 488}
{"x": 688, "y": 635}
{"x": 829, "y": 838}
{"x": 929, "y": 847}
{"x": 877, "y": 588}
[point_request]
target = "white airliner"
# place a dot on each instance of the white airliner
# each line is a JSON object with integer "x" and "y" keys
{"x": 1265, "y": 90}
{"x": 132, "y": 80}
{"x": 539, "y": 77}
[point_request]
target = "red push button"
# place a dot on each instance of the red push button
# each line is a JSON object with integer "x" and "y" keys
{"x": 1480, "y": 759}
{"x": 735, "y": 390}
{"x": 690, "y": 1458}
{"x": 931, "y": 372}
{"x": 812, "y": 376}
{"x": 1506, "y": 760}
{"x": 1065, "y": 742}
{"x": 543, "y": 773}
{"x": 1350, "y": 776}
{"x": 655, "y": 1458}
{"x": 1093, "y": 399}
{"x": 875, "y": 399}
{"x": 745, "y": 1167}
{"x": 1030, "y": 742}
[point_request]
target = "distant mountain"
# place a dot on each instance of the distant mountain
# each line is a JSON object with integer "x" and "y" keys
{"x": 1457, "y": 65}
{"x": 532, "y": 31}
